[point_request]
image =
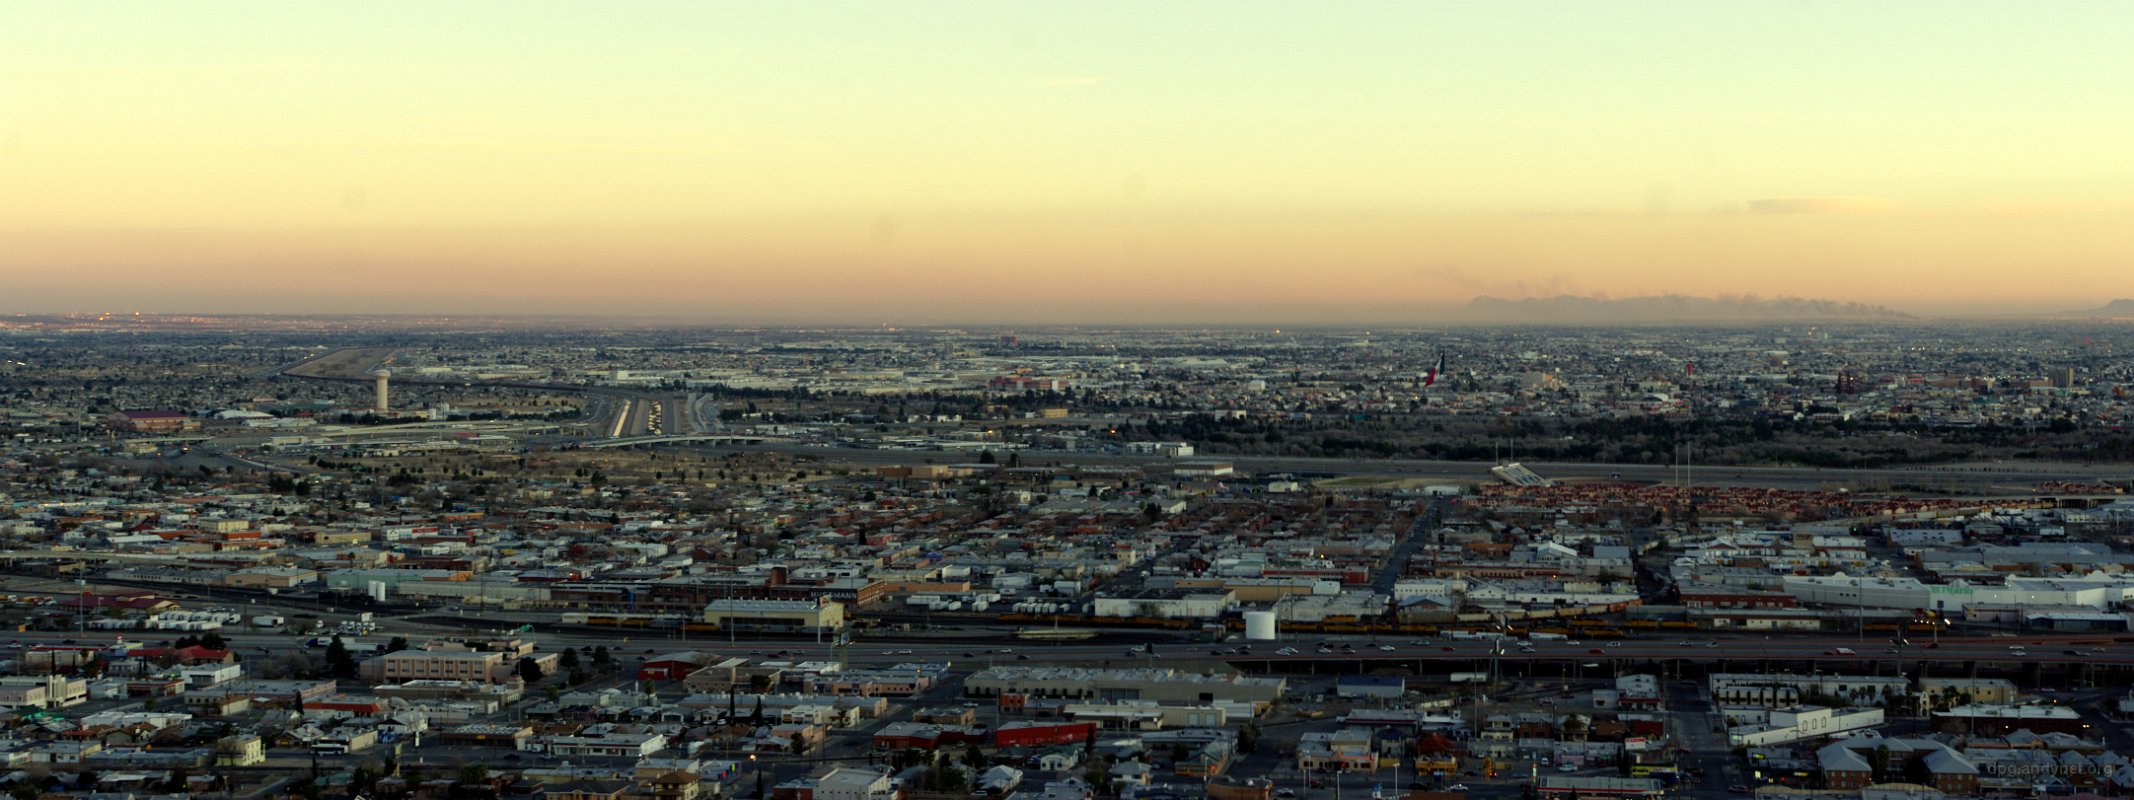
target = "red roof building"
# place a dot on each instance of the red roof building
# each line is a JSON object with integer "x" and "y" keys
{"x": 159, "y": 420}
{"x": 1040, "y": 734}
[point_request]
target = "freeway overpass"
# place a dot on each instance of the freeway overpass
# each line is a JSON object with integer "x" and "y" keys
{"x": 715, "y": 439}
{"x": 11, "y": 556}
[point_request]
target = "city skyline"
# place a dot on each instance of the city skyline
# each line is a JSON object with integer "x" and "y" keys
{"x": 1098, "y": 163}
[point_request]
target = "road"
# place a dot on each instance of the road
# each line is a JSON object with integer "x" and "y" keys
{"x": 1396, "y": 563}
{"x": 2003, "y": 479}
{"x": 878, "y": 649}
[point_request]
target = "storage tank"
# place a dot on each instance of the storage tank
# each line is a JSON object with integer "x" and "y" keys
{"x": 1259, "y": 626}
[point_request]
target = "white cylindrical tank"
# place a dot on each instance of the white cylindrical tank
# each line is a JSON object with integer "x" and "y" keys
{"x": 1259, "y": 626}
{"x": 378, "y": 399}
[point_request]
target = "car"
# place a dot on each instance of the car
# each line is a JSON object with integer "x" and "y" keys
{"x": 1711, "y": 644}
{"x": 1007, "y": 650}
{"x": 1737, "y": 789}
{"x": 1891, "y": 650}
{"x": 14, "y": 645}
{"x": 1451, "y": 649}
{"x": 1387, "y": 648}
{"x": 1285, "y": 792}
{"x": 967, "y": 654}
{"x": 1457, "y": 787}
{"x": 1286, "y": 651}
{"x": 1215, "y": 652}
{"x": 2076, "y": 653}
{"x": 1597, "y": 651}
{"x": 2015, "y": 647}
{"x": 885, "y": 652}
{"x": 1021, "y": 657}
{"x": 903, "y": 652}
{"x": 1933, "y": 645}
{"x": 1615, "y": 644}
{"x": 1574, "y": 643}
{"x": 1687, "y": 644}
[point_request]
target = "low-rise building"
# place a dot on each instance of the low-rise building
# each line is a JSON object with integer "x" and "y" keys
{"x": 1801, "y": 723}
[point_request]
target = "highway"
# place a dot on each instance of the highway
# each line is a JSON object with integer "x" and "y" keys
{"x": 875, "y": 649}
{"x": 1981, "y": 480}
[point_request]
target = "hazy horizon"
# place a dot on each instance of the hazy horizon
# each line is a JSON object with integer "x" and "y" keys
{"x": 1094, "y": 163}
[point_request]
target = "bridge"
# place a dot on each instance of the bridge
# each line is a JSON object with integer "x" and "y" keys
{"x": 685, "y": 438}
{"x": 10, "y": 556}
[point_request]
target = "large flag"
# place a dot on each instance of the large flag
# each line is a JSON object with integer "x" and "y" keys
{"x": 1436, "y": 370}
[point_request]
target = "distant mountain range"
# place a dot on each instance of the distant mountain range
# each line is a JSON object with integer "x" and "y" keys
{"x": 1665, "y": 310}
{"x": 2120, "y": 308}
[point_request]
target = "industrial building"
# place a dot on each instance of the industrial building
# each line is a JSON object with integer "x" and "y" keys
{"x": 1162, "y": 685}
{"x": 820, "y": 615}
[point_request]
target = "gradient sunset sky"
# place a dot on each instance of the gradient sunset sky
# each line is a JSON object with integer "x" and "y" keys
{"x": 1059, "y": 162}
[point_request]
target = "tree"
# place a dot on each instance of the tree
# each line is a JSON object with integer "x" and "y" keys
{"x": 602, "y": 659}
{"x": 986, "y": 457}
{"x": 339, "y": 662}
{"x": 397, "y": 644}
{"x": 362, "y": 779}
{"x": 529, "y": 670}
{"x": 1097, "y": 776}
{"x": 570, "y": 659}
{"x": 951, "y": 778}
{"x": 213, "y": 641}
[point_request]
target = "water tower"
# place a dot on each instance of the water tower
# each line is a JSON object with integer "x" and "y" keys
{"x": 378, "y": 403}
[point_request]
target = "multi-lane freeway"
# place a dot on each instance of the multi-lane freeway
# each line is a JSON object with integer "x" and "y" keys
{"x": 2055, "y": 650}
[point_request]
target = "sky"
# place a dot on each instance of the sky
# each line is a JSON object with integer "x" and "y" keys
{"x": 1089, "y": 161}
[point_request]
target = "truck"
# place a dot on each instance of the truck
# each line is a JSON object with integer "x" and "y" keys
{"x": 352, "y": 645}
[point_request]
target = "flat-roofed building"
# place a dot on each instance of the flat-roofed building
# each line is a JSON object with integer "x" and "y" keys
{"x": 819, "y": 615}
{"x": 1162, "y": 685}
{"x": 446, "y": 661}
